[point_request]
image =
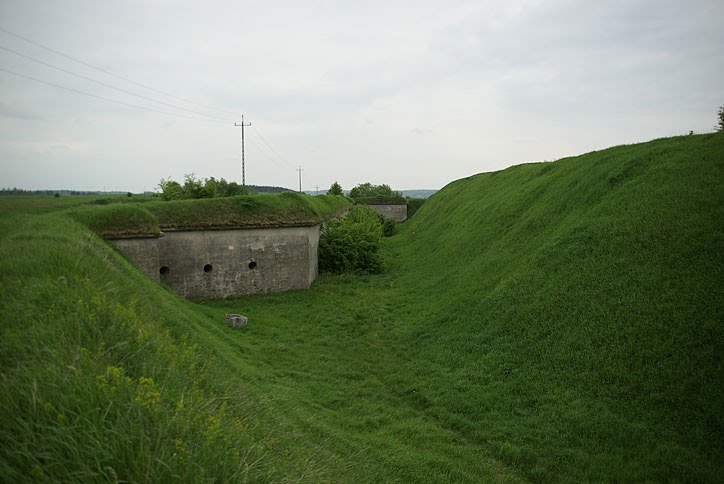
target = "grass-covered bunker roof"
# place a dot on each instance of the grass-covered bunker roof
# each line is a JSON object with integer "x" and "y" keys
{"x": 149, "y": 219}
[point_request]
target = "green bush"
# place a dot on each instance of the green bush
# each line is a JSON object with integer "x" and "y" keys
{"x": 195, "y": 188}
{"x": 352, "y": 244}
{"x": 389, "y": 227}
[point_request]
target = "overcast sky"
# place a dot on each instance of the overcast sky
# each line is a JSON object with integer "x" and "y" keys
{"x": 414, "y": 94}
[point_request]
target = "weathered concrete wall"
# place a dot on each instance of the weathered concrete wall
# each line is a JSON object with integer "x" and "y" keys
{"x": 223, "y": 263}
{"x": 398, "y": 213}
{"x": 142, "y": 253}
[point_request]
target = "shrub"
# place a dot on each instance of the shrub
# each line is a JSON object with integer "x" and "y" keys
{"x": 352, "y": 244}
{"x": 195, "y": 188}
{"x": 389, "y": 227}
{"x": 170, "y": 189}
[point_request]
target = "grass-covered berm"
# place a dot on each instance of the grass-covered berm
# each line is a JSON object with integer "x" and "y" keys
{"x": 100, "y": 376}
{"x": 552, "y": 322}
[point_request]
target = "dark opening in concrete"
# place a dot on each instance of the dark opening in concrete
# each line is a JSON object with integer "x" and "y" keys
{"x": 252, "y": 264}
{"x": 164, "y": 270}
{"x": 208, "y": 268}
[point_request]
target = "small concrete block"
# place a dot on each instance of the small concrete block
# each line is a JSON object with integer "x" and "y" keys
{"x": 236, "y": 321}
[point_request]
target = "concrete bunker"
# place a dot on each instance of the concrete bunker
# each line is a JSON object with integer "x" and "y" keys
{"x": 221, "y": 247}
{"x": 227, "y": 262}
{"x": 394, "y": 211}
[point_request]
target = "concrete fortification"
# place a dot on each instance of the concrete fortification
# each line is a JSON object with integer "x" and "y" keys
{"x": 223, "y": 263}
{"x": 396, "y": 212}
{"x": 222, "y": 247}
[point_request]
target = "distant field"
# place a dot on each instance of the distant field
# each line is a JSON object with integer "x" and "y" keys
{"x": 552, "y": 322}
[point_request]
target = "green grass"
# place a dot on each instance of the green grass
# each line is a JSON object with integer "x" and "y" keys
{"x": 288, "y": 208}
{"x": 583, "y": 300}
{"x": 120, "y": 216}
{"x": 557, "y": 322}
{"x": 99, "y": 379}
{"x": 36, "y": 204}
{"x": 118, "y": 220}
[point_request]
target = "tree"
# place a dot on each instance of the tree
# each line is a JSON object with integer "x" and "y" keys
{"x": 368, "y": 190}
{"x": 194, "y": 187}
{"x": 721, "y": 119}
{"x": 170, "y": 190}
{"x": 335, "y": 189}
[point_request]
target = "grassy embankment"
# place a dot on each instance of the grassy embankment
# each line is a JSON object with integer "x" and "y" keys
{"x": 98, "y": 378}
{"x": 564, "y": 320}
{"x": 551, "y": 322}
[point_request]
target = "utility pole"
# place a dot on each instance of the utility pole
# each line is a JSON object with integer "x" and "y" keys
{"x": 316, "y": 188}
{"x": 300, "y": 178}
{"x": 243, "y": 170}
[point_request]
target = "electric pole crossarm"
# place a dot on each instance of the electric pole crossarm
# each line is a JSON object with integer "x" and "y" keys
{"x": 243, "y": 168}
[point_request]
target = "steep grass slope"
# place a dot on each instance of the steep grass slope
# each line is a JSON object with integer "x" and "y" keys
{"x": 571, "y": 314}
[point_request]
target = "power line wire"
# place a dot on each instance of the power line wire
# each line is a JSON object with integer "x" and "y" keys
{"x": 102, "y": 97}
{"x": 105, "y": 71}
{"x": 255, "y": 145}
{"x": 270, "y": 147}
{"x": 20, "y": 54}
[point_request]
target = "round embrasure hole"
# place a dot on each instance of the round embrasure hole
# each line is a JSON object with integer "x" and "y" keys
{"x": 164, "y": 270}
{"x": 252, "y": 264}
{"x": 208, "y": 268}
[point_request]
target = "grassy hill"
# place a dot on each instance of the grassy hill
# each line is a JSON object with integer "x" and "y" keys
{"x": 578, "y": 307}
{"x": 550, "y": 322}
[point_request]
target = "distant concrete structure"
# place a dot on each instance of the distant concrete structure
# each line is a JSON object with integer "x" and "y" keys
{"x": 223, "y": 263}
{"x": 397, "y": 212}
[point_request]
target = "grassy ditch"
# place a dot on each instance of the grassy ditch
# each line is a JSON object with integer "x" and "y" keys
{"x": 552, "y": 322}
{"x": 556, "y": 321}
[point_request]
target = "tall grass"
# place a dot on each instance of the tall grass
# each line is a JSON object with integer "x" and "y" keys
{"x": 98, "y": 381}
{"x": 552, "y": 322}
